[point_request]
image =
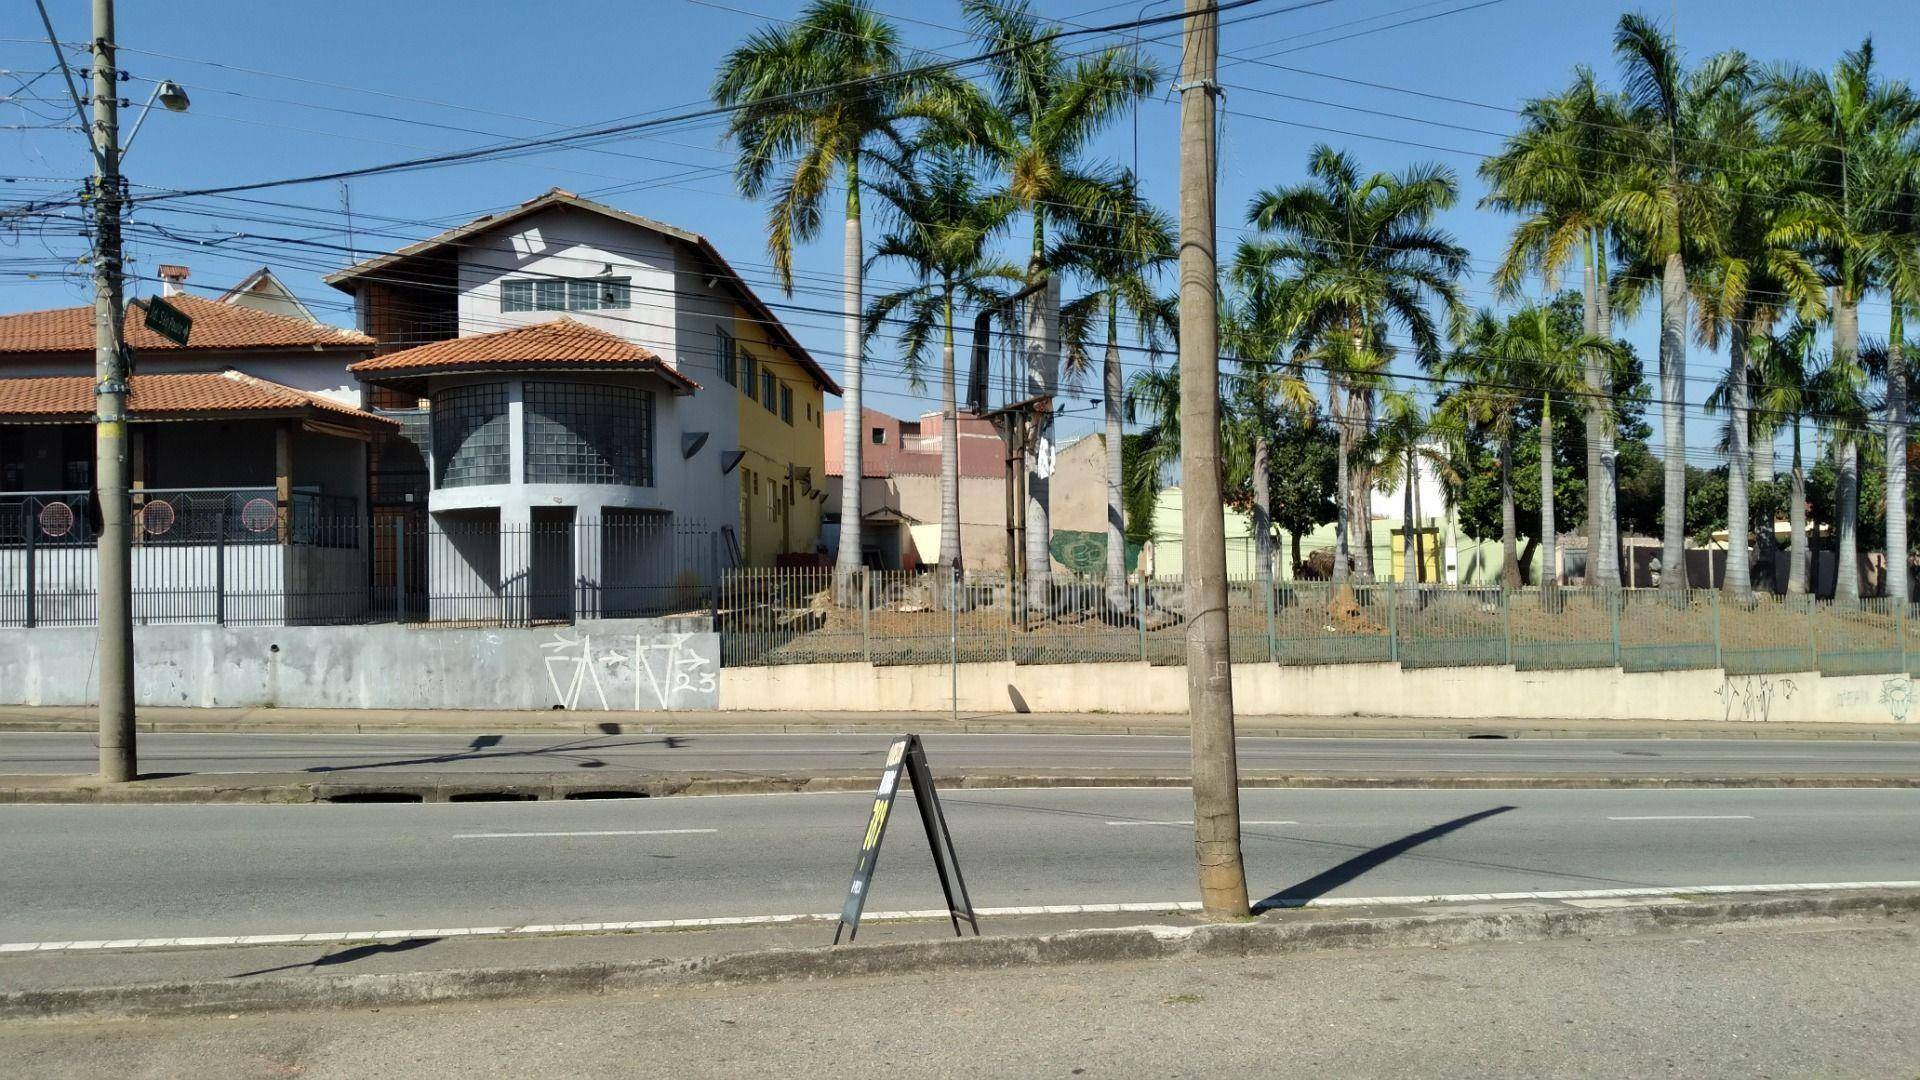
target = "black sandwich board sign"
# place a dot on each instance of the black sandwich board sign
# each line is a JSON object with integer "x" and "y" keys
{"x": 906, "y": 753}
{"x": 168, "y": 321}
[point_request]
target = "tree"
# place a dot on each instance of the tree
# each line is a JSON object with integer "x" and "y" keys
{"x": 1118, "y": 246}
{"x": 1784, "y": 365}
{"x": 1665, "y": 196}
{"x": 1397, "y": 447}
{"x": 1845, "y": 411}
{"x": 1259, "y": 326}
{"x": 1750, "y": 276}
{"x": 1367, "y": 258}
{"x": 1487, "y": 401}
{"x": 1300, "y": 477}
{"x": 1557, "y": 173}
{"x": 1048, "y": 103}
{"x": 828, "y": 94}
{"x": 942, "y": 224}
{"x": 1853, "y": 131}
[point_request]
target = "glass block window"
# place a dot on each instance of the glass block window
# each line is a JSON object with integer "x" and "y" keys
{"x": 589, "y": 434}
{"x": 566, "y": 294}
{"x": 786, "y": 404}
{"x": 729, "y": 357}
{"x": 768, "y": 396}
{"x": 470, "y": 436}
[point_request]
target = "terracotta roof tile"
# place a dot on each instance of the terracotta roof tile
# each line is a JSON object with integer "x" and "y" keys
{"x": 215, "y": 326}
{"x": 562, "y": 341}
{"x": 175, "y": 396}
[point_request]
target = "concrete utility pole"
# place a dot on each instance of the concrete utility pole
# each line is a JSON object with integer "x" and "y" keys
{"x": 1216, "y": 772}
{"x": 115, "y": 551}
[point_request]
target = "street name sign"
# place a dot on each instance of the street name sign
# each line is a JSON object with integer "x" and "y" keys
{"x": 168, "y": 321}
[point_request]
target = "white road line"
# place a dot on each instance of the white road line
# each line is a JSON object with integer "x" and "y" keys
{"x": 610, "y": 832}
{"x": 1190, "y": 823}
{"x": 1684, "y": 817}
{"x": 1167, "y": 907}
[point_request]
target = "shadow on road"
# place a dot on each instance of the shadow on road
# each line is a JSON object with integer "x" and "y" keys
{"x": 346, "y": 956}
{"x": 1333, "y": 877}
{"x": 481, "y": 749}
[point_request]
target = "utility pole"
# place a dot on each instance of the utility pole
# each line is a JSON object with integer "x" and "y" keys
{"x": 1216, "y": 773}
{"x": 114, "y": 544}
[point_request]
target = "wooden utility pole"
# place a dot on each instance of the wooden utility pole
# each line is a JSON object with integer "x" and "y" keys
{"x": 1216, "y": 773}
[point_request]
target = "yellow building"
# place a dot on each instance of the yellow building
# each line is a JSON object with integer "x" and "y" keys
{"x": 783, "y": 468}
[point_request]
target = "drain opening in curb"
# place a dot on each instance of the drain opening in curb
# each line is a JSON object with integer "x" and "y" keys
{"x": 376, "y": 797}
{"x": 609, "y": 794}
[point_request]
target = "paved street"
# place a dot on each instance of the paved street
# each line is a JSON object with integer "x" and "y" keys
{"x": 113, "y": 872}
{"x": 1776, "y": 1001}
{"x": 747, "y": 755}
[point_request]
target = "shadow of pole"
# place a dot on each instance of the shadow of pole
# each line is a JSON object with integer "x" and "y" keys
{"x": 1332, "y": 878}
{"x": 346, "y": 956}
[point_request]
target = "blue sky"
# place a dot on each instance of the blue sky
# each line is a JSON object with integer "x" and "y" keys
{"x": 356, "y": 83}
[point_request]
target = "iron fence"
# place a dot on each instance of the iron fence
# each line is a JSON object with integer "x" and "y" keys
{"x": 219, "y": 557}
{"x": 785, "y": 616}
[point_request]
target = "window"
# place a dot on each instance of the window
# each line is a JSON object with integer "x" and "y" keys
{"x": 879, "y": 436}
{"x": 729, "y": 357}
{"x": 749, "y": 372}
{"x": 588, "y": 434}
{"x": 565, "y": 294}
{"x": 767, "y": 395}
{"x": 786, "y": 404}
{"x": 470, "y": 435}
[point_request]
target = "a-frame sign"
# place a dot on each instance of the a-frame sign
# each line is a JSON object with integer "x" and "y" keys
{"x": 906, "y": 753}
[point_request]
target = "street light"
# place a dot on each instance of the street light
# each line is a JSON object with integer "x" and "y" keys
{"x": 168, "y": 93}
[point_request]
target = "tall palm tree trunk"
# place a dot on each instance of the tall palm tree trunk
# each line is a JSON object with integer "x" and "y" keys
{"x": 1739, "y": 576}
{"x": 1846, "y": 491}
{"x": 1509, "y": 522}
{"x": 1262, "y": 518}
{"x": 1594, "y": 372}
{"x": 1043, "y": 377}
{"x": 1609, "y": 555}
{"x": 949, "y": 451}
{"x": 1673, "y": 424}
{"x": 1360, "y": 527}
{"x": 847, "y": 565}
{"x": 1897, "y": 586}
{"x": 1797, "y": 522}
{"x": 1112, "y": 393}
{"x": 1409, "y": 530}
{"x": 1766, "y": 545}
{"x": 1549, "y": 528}
{"x": 1343, "y": 483}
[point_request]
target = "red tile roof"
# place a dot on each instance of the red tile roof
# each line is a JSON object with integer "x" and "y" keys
{"x": 215, "y": 326}
{"x": 183, "y": 396}
{"x": 561, "y": 342}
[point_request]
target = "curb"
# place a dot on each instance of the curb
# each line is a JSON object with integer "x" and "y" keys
{"x": 531, "y": 787}
{"x": 1269, "y": 936}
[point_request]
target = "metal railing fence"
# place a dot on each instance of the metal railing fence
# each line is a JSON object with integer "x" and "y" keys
{"x": 788, "y": 616}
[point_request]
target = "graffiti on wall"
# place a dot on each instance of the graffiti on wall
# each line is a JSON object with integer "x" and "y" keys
{"x": 652, "y": 671}
{"x": 1751, "y": 697}
{"x": 1896, "y": 694}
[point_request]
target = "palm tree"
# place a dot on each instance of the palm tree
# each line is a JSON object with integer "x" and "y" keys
{"x": 942, "y": 224}
{"x": 1750, "y": 277}
{"x": 1397, "y": 447}
{"x": 1556, "y": 173}
{"x": 832, "y": 92}
{"x": 1047, "y": 105}
{"x": 1535, "y": 353}
{"x": 1853, "y": 131}
{"x": 1663, "y": 198}
{"x": 1487, "y": 398}
{"x": 1367, "y": 258}
{"x": 1118, "y": 249}
{"x": 1840, "y": 396}
{"x": 1784, "y": 365}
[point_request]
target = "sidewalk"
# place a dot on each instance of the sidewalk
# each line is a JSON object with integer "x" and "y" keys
{"x": 348, "y": 721}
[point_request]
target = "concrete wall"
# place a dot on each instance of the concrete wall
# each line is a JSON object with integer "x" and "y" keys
{"x": 1334, "y": 690}
{"x": 625, "y": 664}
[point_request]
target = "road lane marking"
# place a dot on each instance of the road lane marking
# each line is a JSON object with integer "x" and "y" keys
{"x": 608, "y": 832}
{"x": 1684, "y": 817}
{"x": 1244, "y": 823}
{"x": 1167, "y": 907}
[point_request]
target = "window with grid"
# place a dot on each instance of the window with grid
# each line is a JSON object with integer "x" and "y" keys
{"x": 786, "y": 403}
{"x": 729, "y": 357}
{"x": 767, "y": 395}
{"x": 749, "y": 372}
{"x": 470, "y": 436}
{"x": 585, "y": 434}
{"x": 566, "y": 294}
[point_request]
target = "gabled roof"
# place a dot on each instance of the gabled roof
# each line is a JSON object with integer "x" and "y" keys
{"x": 374, "y": 268}
{"x": 264, "y": 282}
{"x": 194, "y": 395}
{"x": 558, "y": 343}
{"x": 216, "y": 326}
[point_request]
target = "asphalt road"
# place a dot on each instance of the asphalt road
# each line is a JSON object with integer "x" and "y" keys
{"x": 1754, "y": 1001}
{"x": 748, "y": 755}
{"x": 93, "y": 872}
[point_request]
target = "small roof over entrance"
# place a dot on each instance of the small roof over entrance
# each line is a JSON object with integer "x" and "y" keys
{"x": 200, "y": 395}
